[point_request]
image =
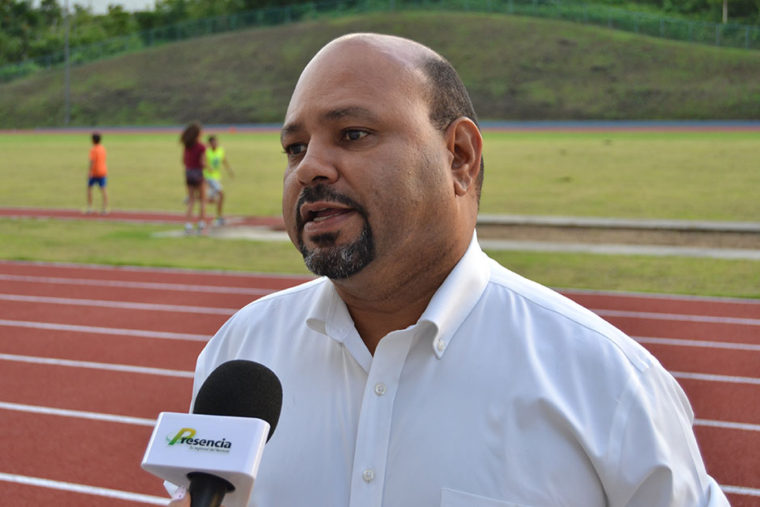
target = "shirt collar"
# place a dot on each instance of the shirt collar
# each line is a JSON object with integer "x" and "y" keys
{"x": 457, "y": 296}
{"x": 449, "y": 306}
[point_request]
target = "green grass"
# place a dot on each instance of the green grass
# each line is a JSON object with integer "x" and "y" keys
{"x": 697, "y": 176}
{"x": 145, "y": 171}
{"x": 673, "y": 275}
{"x": 515, "y": 68}
{"x": 99, "y": 242}
{"x": 686, "y": 176}
{"x": 113, "y": 243}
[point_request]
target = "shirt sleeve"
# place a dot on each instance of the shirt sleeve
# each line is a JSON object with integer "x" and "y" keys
{"x": 653, "y": 449}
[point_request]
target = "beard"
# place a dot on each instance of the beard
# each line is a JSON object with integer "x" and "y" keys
{"x": 329, "y": 258}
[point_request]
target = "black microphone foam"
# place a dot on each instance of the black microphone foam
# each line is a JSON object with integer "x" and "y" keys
{"x": 241, "y": 388}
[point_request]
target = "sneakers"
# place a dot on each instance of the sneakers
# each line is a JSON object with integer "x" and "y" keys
{"x": 91, "y": 211}
{"x": 198, "y": 228}
{"x": 219, "y": 221}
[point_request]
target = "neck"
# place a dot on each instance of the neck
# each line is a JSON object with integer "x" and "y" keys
{"x": 384, "y": 300}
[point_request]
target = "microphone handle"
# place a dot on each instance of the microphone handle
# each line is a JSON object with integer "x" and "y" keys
{"x": 207, "y": 490}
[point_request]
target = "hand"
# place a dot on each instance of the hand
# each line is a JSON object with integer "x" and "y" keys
{"x": 181, "y": 498}
{"x": 183, "y": 502}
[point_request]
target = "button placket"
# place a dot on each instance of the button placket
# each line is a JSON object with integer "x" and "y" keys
{"x": 373, "y": 432}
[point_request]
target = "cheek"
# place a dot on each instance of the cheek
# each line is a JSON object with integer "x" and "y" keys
{"x": 289, "y": 200}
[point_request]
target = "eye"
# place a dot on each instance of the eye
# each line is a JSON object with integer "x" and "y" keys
{"x": 295, "y": 149}
{"x": 353, "y": 134}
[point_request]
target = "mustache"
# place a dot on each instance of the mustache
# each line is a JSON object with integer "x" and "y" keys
{"x": 322, "y": 192}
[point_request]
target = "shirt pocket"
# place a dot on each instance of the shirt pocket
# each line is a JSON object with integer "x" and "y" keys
{"x": 453, "y": 498}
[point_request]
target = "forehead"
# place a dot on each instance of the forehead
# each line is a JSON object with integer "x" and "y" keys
{"x": 357, "y": 75}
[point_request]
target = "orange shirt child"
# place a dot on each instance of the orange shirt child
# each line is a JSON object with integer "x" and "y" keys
{"x": 98, "y": 161}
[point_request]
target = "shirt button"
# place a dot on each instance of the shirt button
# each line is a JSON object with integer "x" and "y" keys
{"x": 440, "y": 345}
{"x": 379, "y": 389}
{"x": 368, "y": 475}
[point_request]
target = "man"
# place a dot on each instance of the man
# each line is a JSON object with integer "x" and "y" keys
{"x": 97, "y": 174}
{"x": 212, "y": 173}
{"x": 417, "y": 372}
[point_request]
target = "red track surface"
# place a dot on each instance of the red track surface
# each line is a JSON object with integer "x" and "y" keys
{"x": 101, "y": 351}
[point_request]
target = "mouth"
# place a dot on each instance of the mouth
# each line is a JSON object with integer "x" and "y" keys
{"x": 321, "y": 212}
{"x": 320, "y": 218}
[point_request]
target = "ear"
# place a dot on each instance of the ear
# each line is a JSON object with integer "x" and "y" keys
{"x": 465, "y": 146}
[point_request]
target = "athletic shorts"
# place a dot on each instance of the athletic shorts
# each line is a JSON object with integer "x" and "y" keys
{"x": 214, "y": 187}
{"x": 99, "y": 180}
{"x": 194, "y": 177}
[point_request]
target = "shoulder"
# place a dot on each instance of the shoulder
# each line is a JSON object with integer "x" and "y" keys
{"x": 271, "y": 317}
{"x": 568, "y": 326}
{"x": 292, "y": 299}
{"x": 267, "y": 330}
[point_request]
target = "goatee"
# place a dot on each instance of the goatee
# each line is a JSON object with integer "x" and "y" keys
{"x": 329, "y": 258}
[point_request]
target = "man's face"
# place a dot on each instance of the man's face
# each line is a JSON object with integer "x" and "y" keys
{"x": 366, "y": 176}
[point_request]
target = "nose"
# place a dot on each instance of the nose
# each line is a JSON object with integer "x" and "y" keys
{"x": 318, "y": 165}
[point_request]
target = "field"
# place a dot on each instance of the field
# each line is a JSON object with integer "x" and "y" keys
{"x": 674, "y": 175}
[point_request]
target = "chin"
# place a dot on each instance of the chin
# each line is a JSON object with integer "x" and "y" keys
{"x": 338, "y": 261}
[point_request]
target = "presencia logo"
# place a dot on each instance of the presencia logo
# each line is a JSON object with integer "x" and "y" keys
{"x": 186, "y": 436}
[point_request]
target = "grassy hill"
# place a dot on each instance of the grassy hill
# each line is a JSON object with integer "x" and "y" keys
{"x": 516, "y": 68}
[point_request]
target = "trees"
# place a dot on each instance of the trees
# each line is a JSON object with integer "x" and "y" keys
{"x": 28, "y": 32}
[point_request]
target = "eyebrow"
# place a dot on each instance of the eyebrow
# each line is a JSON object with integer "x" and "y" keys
{"x": 358, "y": 112}
{"x": 350, "y": 112}
{"x": 292, "y": 128}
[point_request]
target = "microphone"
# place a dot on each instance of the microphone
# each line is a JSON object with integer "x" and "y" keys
{"x": 215, "y": 452}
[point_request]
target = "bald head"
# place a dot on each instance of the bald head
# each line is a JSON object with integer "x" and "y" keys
{"x": 404, "y": 51}
{"x": 425, "y": 73}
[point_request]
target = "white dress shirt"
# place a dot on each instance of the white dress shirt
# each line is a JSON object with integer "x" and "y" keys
{"x": 504, "y": 393}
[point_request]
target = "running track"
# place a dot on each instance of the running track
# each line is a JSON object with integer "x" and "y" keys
{"x": 90, "y": 355}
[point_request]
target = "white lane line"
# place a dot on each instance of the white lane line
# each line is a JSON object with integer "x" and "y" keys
{"x": 740, "y": 490}
{"x": 118, "y": 304}
{"x": 688, "y": 298}
{"x": 698, "y": 343}
{"x": 727, "y": 425}
{"x": 709, "y": 377}
{"x": 83, "y": 488}
{"x": 140, "y": 333}
{"x": 97, "y": 366}
{"x": 79, "y": 414}
{"x": 138, "y": 285}
{"x": 674, "y": 316}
